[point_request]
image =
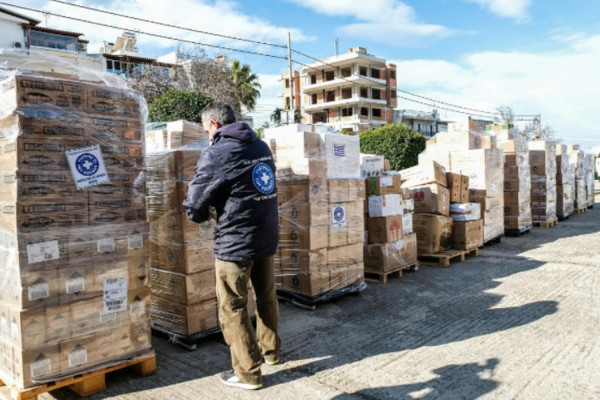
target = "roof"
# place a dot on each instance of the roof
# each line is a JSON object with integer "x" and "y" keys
{"x": 50, "y": 30}
{"x": 18, "y": 15}
{"x": 138, "y": 58}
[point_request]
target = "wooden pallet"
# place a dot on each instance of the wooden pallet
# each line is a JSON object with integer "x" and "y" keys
{"x": 383, "y": 276}
{"x": 88, "y": 383}
{"x": 545, "y": 224}
{"x": 580, "y": 210}
{"x": 444, "y": 258}
{"x": 305, "y": 301}
{"x": 494, "y": 240}
{"x": 518, "y": 232}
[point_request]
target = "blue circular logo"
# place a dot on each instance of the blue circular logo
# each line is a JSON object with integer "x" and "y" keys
{"x": 338, "y": 214}
{"x": 263, "y": 178}
{"x": 87, "y": 164}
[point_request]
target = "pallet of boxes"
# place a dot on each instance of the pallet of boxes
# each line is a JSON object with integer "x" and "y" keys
{"x": 74, "y": 241}
{"x": 565, "y": 183}
{"x": 542, "y": 161}
{"x": 577, "y": 157}
{"x": 517, "y": 179}
{"x": 432, "y": 223}
{"x": 321, "y": 223}
{"x": 391, "y": 244}
{"x": 184, "y": 301}
{"x": 477, "y": 156}
{"x": 590, "y": 183}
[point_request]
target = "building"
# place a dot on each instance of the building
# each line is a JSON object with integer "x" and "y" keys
{"x": 20, "y": 32}
{"x": 426, "y": 123}
{"x": 351, "y": 92}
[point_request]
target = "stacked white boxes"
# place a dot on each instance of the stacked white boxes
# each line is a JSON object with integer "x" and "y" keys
{"x": 542, "y": 161}
{"x": 577, "y": 156}
{"x": 321, "y": 198}
{"x": 565, "y": 183}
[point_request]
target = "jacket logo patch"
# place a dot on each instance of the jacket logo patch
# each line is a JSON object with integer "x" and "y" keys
{"x": 263, "y": 178}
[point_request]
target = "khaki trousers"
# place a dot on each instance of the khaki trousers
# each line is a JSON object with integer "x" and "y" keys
{"x": 248, "y": 348}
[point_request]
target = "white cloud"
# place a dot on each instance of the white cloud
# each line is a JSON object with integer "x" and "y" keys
{"x": 557, "y": 84}
{"x": 514, "y": 9}
{"x": 387, "y": 21}
{"x": 223, "y": 17}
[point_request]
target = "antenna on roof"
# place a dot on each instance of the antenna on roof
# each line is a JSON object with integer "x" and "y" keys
{"x": 335, "y": 46}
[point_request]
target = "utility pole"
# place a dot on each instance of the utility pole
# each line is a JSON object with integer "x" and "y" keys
{"x": 291, "y": 78}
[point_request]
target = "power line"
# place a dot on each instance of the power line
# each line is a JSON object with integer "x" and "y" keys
{"x": 444, "y": 108}
{"x": 147, "y": 33}
{"x": 168, "y": 25}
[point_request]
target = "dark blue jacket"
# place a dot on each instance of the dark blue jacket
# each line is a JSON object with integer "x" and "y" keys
{"x": 236, "y": 176}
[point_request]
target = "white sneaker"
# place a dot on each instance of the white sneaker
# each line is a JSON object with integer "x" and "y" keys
{"x": 229, "y": 379}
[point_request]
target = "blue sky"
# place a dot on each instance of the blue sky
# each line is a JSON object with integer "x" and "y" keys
{"x": 539, "y": 56}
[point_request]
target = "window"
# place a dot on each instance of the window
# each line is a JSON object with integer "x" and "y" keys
{"x": 376, "y": 94}
{"x": 117, "y": 65}
{"x": 393, "y": 94}
{"x": 313, "y": 79}
{"x": 364, "y": 111}
{"x": 392, "y": 74}
{"x": 346, "y": 72}
{"x": 109, "y": 64}
{"x": 330, "y": 96}
{"x": 329, "y": 76}
{"x": 346, "y": 93}
{"x": 53, "y": 41}
{"x": 364, "y": 92}
{"x": 319, "y": 117}
{"x": 418, "y": 127}
{"x": 362, "y": 71}
{"x": 374, "y": 73}
{"x": 376, "y": 113}
{"x": 287, "y": 83}
{"x": 314, "y": 99}
{"x": 347, "y": 112}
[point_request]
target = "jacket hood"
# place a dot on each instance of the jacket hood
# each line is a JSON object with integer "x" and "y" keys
{"x": 238, "y": 130}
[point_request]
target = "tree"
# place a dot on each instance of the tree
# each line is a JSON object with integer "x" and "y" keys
{"x": 297, "y": 116}
{"x": 396, "y": 142}
{"x": 276, "y": 116}
{"x": 260, "y": 131}
{"x": 174, "y": 105}
{"x": 245, "y": 85}
{"x": 531, "y": 130}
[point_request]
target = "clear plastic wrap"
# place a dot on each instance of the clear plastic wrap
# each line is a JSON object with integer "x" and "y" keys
{"x": 565, "y": 182}
{"x": 74, "y": 241}
{"x": 542, "y": 161}
{"x": 392, "y": 256}
{"x": 321, "y": 234}
{"x": 517, "y": 184}
{"x": 301, "y": 152}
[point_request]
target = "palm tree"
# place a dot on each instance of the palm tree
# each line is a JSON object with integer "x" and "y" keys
{"x": 276, "y": 116}
{"x": 245, "y": 85}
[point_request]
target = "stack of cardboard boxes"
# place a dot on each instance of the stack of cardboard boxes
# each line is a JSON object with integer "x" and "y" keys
{"x": 73, "y": 263}
{"x": 431, "y": 221}
{"x": 542, "y": 161}
{"x": 162, "y": 136}
{"x": 565, "y": 183}
{"x": 589, "y": 180}
{"x": 182, "y": 258}
{"x": 321, "y": 200}
{"x": 478, "y": 157}
{"x": 577, "y": 157}
{"x": 392, "y": 245}
{"x": 517, "y": 179}
{"x": 467, "y": 229}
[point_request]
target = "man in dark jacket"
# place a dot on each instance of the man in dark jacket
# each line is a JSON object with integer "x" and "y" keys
{"x": 236, "y": 176}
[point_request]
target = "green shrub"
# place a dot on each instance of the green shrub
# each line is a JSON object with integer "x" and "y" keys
{"x": 396, "y": 142}
{"x": 174, "y": 105}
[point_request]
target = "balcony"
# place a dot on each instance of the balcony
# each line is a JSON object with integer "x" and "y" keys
{"x": 352, "y": 79}
{"x": 344, "y": 102}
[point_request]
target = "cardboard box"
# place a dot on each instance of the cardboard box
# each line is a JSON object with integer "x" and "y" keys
{"x": 308, "y": 284}
{"x": 433, "y": 198}
{"x": 35, "y": 364}
{"x": 465, "y": 211}
{"x": 454, "y": 186}
{"x": 307, "y": 261}
{"x": 385, "y": 229}
{"x": 391, "y": 256}
{"x": 43, "y": 215}
{"x": 464, "y": 189}
{"x": 76, "y": 282}
{"x": 407, "y": 224}
{"x": 183, "y": 288}
{"x": 385, "y": 205}
{"x": 422, "y": 174}
{"x": 303, "y": 237}
{"x": 371, "y": 165}
{"x": 27, "y": 328}
{"x": 344, "y": 255}
{"x": 184, "y": 319}
{"x": 467, "y": 235}
{"x": 385, "y": 184}
{"x": 434, "y": 233}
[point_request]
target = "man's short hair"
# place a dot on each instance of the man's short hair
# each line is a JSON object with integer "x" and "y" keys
{"x": 220, "y": 112}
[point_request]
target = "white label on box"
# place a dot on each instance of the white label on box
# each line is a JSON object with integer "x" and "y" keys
{"x": 40, "y": 368}
{"x": 397, "y": 245}
{"x": 107, "y": 317}
{"x": 338, "y": 215}
{"x": 77, "y": 357}
{"x": 135, "y": 241}
{"x": 87, "y": 166}
{"x": 45, "y": 251}
{"x": 38, "y": 291}
{"x": 137, "y": 308}
{"x": 106, "y": 245}
{"x": 115, "y": 294}
{"x": 75, "y": 285}
{"x": 386, "y": 181}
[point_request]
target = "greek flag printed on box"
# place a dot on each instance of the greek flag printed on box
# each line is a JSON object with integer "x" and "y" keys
{"x": 339, "y": 150}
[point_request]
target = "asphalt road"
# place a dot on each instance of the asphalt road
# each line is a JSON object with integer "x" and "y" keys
{"x": 520, "y": 321}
